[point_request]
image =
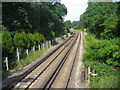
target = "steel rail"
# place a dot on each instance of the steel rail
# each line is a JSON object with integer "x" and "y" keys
{"x": 20, "y": 77}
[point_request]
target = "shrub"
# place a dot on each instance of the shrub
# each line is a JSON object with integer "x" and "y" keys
{"x": 24, "y": 40}
{"x": 103, "y": 56}
{"x": 106, "y": 51}
{"x": 7, "y": 43}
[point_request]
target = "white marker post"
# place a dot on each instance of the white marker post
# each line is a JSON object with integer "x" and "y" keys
{"x": 56, "y": 39}
{"x": 89, "y": 75}
{"x": 39, "y": 47}
{"x": 47, "y": 44}
{"x": 27, "y": 51}
{"x": 50, "y": 43}
{"x": 34, "y": 49}
{"x": 94, "y": 73}
{"x": 6, "y": 61}
{"x": 18, "y": 56}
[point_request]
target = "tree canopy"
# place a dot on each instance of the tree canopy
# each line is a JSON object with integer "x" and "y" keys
{"x": 43, "y": 17}
{"x": 27, "y": 24}
{"x": 102, "y": 19}
{"x": 68, "y": 24}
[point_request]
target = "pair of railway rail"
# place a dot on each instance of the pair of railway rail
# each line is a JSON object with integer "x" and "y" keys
{"x": 53, "y": 71}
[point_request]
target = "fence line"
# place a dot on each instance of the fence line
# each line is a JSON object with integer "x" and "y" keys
{"x": 41, "y": 46}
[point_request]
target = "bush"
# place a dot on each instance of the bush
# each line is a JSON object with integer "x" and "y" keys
{"x": 24, "y": 40}
{"x": 107, "y": 76}
{"x": 7, "y": 43}
{"x": 21, "y": 40}
{"x": 106, "y": 51}
{"x": 103, "y": 57}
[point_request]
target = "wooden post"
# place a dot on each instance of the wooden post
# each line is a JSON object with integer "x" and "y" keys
{"x": 6, "y": 61}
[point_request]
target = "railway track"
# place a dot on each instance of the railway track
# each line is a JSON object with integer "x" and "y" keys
{"x": 52, "y": 72}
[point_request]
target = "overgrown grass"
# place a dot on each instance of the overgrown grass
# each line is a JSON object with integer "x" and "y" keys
{"x": 31, "y": 57}
{"x": 103, "y": 57}
{"x": 23, "y": 62}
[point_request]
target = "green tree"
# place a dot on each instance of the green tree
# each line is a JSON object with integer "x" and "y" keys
{"x": 98, "y": 16}
{"x": 76, "y": 24}
{"x": 7, "y": 43}
{"x": 15, "y": 15}
{"x": 68, "y": 24}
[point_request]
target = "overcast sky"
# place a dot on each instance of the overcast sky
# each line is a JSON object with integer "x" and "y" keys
{"x": 75, "y": 8}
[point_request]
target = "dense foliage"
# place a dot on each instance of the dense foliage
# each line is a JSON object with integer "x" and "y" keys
{"x": 43, "y": 17}
{"x": 68, "y": 25}
{"x": 76, "y": 24}
{"x": 20, "y": 40}
{"x": 103, "y": 57}
{"x": 28, "y": 24}
{"x": 102, "y": 19}
{"x": 102, "y": 50}
{"x": 7, "y": 43}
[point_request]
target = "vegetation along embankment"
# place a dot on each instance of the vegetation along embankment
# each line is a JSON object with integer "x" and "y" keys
{"x": 102, "y": 46}
{"x": 26, "y": 25}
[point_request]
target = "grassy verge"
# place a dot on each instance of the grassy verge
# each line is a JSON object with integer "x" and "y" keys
{"x": 23, "y": 62}
{"x": 31, "y": 57}
{"x": 103, "y": 57}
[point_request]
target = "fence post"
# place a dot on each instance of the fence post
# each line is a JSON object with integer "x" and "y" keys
{"x": 34, "y": 49}
{"x": 43, "y": 46}
{"x": 47, "y": 44}
{"x": 18, "y": 56}
{"x": 27, "y": 51}
{"x": 50, "y": 43}
{"x": 39, "y": 47}
{"x": 56, "y": 39}
{"x": 6, "y": 61}
{"x": 89, "y": 74}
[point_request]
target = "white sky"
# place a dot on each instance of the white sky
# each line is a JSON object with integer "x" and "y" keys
{"x": 75, "y": 8}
